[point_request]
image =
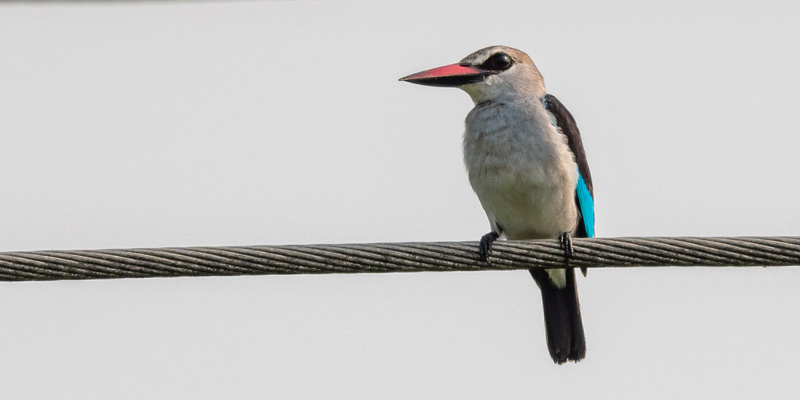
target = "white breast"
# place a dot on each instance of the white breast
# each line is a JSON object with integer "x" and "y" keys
{"x": 521, "y": 168}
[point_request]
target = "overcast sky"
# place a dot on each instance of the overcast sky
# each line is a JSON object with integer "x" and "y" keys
{"x": 249, "y": 123}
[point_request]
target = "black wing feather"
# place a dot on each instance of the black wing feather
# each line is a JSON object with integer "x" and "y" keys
{"x": 568, "y": 126}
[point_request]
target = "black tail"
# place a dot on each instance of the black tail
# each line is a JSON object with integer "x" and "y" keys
{"x": 562, "y": 317}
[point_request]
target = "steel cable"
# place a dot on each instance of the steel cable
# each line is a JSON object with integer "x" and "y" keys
{"x": 396, "y": 257}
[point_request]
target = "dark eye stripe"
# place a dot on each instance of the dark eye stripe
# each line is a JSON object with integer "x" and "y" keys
{"x": 498, "y": 62}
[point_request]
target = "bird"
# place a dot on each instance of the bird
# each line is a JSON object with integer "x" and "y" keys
{"x": 526, "y": 163}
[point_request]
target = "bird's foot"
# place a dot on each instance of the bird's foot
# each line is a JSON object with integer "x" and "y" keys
{"x": 485, "y": 248}
{"x": 565, "y": 239}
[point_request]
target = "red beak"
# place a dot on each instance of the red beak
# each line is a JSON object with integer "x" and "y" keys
{"x": 448, "y": 76}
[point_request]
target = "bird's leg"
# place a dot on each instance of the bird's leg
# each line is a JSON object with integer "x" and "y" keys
{"x": 565, "y": 239}
{"x": 485, "y": 249}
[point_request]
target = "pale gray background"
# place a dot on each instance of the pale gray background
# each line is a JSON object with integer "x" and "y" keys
{"x": 240, "y": 123}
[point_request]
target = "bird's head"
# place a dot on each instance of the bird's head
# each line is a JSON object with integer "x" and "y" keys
{"x": 488, "y": 74}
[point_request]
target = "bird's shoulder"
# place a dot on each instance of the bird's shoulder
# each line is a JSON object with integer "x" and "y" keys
{"x": 569, "y": 128}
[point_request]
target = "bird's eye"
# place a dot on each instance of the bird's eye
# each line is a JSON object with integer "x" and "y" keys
{"x": 498, "y": 62}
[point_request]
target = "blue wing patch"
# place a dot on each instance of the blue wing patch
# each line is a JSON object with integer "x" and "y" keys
{"x": 586, "y": 204}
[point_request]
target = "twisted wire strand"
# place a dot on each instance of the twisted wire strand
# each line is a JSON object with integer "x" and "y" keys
{"x": 397, "y": 257}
